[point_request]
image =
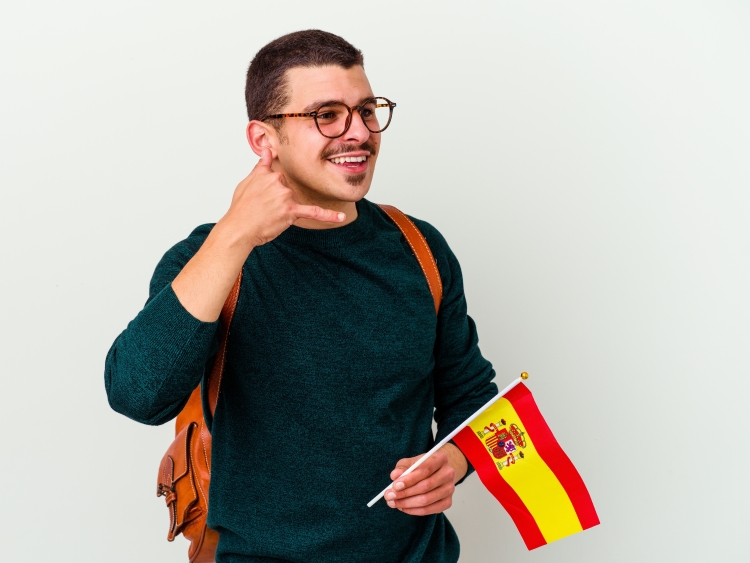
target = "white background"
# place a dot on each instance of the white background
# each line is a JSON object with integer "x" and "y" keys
{"x": 587, "y": 162}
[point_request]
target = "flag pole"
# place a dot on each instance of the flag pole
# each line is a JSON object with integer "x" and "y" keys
{"x": 445, "y": 440}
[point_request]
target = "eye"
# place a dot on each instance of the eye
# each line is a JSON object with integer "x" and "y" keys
{"x": 331, "y": 113}
{"x": 368, "y": 111}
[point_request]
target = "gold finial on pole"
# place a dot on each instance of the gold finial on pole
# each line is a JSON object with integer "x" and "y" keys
{"x": 524, "y": 375}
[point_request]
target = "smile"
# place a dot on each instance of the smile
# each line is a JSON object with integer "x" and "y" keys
{"x": 343, "y": 159}
{"x": 351, "y": 164}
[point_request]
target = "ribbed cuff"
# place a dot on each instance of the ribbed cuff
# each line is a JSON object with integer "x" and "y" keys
{"x": 470, "y": 468}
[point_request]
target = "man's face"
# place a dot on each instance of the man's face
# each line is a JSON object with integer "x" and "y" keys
{"x": 306, "y": 157}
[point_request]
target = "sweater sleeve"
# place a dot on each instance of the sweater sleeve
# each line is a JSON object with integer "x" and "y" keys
{"x": 462, "y": 376}
{"x": 156, "y": 362}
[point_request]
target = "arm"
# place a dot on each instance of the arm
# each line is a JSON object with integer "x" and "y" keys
{"x": 463, "y": 383}
{"x": 155, "y": 364}
{"x": 262, "y": 208}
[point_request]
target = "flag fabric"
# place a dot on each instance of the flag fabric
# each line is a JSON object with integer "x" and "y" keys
{"x": 520, "y": 462}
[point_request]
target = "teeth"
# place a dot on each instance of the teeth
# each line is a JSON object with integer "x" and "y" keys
{"x": 343, "y": 159}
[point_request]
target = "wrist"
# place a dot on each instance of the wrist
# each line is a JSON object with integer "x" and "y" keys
{"x": 229, "y": 235}
{"x": 457, "y": 461}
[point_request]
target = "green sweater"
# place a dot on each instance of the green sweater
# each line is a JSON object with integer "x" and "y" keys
{"x": 336, "y": 361}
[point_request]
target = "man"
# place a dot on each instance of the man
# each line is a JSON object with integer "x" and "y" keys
{"x": 335, "y": 335}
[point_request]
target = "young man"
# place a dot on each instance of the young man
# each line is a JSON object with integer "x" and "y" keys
{"x": 336, "y": 358}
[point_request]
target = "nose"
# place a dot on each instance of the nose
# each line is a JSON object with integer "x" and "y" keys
{"x": 357, "y": 132}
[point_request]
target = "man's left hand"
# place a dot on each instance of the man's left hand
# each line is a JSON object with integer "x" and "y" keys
{"x": 429, "y": 488}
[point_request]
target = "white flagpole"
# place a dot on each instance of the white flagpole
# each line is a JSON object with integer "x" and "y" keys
{"x": 445, "y": 440}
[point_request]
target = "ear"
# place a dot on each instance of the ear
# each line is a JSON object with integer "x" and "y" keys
{"x": 262, "y": 136}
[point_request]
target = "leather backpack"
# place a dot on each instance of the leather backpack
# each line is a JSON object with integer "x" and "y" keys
{"x": 185, "y": 469}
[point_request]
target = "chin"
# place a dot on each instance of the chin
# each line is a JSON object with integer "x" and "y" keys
{"x": 350, "y": 187}
{"x": 356, "y": 180}
{"x": 341, "y": 187}
{"x": 357, "y": 185}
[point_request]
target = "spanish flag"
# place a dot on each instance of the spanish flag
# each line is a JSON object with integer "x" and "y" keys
{"x": 522, "y": 465}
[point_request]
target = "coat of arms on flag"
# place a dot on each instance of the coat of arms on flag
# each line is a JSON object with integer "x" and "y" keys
{"x": 505, "y": 442}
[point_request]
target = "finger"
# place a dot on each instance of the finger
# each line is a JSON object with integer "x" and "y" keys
{"x": 402, "y": 465}
{"x": 405, "y": 480}
{"x": 430, "y": 466}
{"x": 265, "y": 159}
{"x": 263, "y": 164}
{"x": 435, "y": 508}
{"x": 438, "y": 479}
{"x": 318, "y": 213}
{"x": 405, "y": 463}
{"x": 425, "y": 499}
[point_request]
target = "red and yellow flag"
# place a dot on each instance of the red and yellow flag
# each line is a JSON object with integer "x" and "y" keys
{"x": 522, "y": 465}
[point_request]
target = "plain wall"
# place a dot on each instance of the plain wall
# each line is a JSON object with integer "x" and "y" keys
{"x": 586, "y": 161}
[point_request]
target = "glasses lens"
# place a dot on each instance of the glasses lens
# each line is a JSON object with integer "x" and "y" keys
{"x": 332, "y": 119}
{"x": 376, "y": 114}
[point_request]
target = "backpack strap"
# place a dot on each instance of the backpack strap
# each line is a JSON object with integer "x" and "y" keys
{"x": 193, "y": 410}
{"x": 227, "y": 314}
{"x": 421, "y": 250}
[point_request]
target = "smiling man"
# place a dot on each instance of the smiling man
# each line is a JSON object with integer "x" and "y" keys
{"x": 336, "y": 361}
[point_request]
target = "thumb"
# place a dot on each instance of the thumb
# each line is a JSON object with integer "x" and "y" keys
{"x": 265, "y": 158}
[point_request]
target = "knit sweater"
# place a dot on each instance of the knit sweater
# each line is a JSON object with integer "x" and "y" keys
{"x": 336, "y": 365}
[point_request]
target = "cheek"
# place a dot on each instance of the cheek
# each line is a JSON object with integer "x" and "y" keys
{"x": 304, "y": 165}
{"x": 301, "y": 156}
{"x": 303, "y": 139}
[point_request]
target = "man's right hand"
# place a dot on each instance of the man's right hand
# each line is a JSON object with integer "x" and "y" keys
{"x": 263, "y": 207}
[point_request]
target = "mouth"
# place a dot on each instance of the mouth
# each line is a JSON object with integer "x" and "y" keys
{"x": 351, "y": 163}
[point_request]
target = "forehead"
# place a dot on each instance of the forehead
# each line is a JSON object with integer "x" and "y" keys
{"x": 326, "y": 83}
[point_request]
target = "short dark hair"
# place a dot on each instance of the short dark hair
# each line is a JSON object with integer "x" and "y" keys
{"x": 265, "y": 87}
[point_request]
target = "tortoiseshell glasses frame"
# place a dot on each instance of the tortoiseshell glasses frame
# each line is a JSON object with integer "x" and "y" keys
{"x": 367, "y": 118}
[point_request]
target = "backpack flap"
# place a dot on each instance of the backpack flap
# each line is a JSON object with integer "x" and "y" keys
{"x": 176, "y": 482}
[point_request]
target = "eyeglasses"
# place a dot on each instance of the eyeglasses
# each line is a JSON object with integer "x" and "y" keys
{"x": 333, "y": 119}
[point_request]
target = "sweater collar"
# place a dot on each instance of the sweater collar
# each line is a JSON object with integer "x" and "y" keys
{"x": 335, "y": 237}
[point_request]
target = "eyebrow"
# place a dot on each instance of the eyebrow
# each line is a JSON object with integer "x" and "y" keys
{"x": 317, "y": 104}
